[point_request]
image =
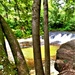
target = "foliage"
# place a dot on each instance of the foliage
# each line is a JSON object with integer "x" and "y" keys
{"x": 62, "y": 17}
{"x": 18, "y": 33}
{"x": 18, "y": 14}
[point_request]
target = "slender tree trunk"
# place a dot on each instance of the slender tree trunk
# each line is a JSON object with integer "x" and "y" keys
{"x": 16, "y": 50}
{"x": 36, "y": 37}
{"x": 46, "y": 39}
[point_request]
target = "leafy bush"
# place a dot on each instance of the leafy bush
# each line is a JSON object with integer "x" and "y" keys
{"x": 11, "y": 23}
{"x": 18, "y": 33}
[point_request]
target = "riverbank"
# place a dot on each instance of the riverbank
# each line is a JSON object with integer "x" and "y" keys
{"x": 26, "y": 46}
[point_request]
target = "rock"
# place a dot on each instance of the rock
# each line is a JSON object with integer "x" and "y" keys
{"x": 67, "y": 72}
{"x": 24, "y": 43}
{"x": 65, "y": 57}
{"x": 62, "y": 65}
{"x": 56, "y": 43}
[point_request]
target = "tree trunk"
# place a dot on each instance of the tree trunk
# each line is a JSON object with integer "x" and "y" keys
{"x": 46, "y": 39}
{"x": 36, "y": 37}
{"x": 2, "y": 37}
{"x": 5, "y": 66}
{"x": 16, "y": 50}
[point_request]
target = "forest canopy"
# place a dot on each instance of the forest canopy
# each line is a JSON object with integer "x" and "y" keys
{"x": 18, "y": 14}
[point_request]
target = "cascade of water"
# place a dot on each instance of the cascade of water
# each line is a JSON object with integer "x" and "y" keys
{"x": 65, "y": 38}
{"x": 61, "y": 37}
{"x": 55, "y": 38}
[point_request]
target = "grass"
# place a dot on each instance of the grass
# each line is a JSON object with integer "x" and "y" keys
{"x": 28, "y": 52}
{"x": 53, "y": 50}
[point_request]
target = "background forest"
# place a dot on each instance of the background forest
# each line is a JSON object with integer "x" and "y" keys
{"x": 18, "y": 14}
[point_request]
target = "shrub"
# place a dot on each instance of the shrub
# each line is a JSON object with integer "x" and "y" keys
{"x": 18, "y": 33}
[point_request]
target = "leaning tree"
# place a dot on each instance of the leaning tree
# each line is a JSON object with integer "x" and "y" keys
{"x": 20, "y": 62}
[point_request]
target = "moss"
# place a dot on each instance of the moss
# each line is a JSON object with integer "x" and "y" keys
{"x": 6, "y": 67}
{"x": 65, "y": 61}
{"x": 10, "y": 70}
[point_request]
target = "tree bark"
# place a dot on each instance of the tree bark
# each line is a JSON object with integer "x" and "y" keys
{"x": 36, "y": 37}
{"x": 46, "y": 39}
{"x": 2, "y": 38}
{"x": 16, "y": 50}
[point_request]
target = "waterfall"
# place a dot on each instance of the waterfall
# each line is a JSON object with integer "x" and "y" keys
{"x": 60, "y": 37}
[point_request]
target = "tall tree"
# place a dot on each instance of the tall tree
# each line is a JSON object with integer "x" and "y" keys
{"x": 46, "y": 39}
{"x": 36, "y": 37}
